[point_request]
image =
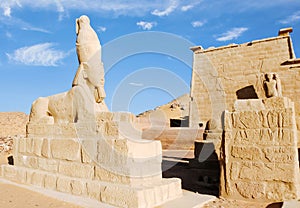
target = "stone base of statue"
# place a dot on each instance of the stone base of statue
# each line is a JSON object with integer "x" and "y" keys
{"x": 104, "y": 166}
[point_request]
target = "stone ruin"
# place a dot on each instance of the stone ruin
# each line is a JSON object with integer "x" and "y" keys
{"x": 251, "y": 135}
{"x": 74, "y": 144}
{"x": 260, "y": 154}
{"x": 252, "y": 129}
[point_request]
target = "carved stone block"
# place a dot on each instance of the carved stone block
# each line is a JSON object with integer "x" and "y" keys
{"x": 66, "y": 149}
{"x": 50, "y": 181}
{"x": 63, "y": 184}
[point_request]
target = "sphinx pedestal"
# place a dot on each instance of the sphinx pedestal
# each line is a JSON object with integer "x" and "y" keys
{"x": 103, "y": 165}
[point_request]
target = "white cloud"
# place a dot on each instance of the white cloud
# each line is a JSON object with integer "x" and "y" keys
{"x": 136, "y": 84}
{"x": 6, "y": 6}
{"x": 198, "y": 23}
{"x": 101, "y": 29}
{"x": 187, "y": 7}
{"x": 146, "y": 25}
{"x": 7, "y": 11}
{"x": 234, "y": 33}
{"x": 38, "y": 55}
{"x": 173, "y": 5}
{"x": 293, "y": 18}
{"x": 31, "y": 28}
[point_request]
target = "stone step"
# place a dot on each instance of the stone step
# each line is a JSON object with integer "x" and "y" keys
{"x": 190, "y": 200}
{"x": 149, "y": 194}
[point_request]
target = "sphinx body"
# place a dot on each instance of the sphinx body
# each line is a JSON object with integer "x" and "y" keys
{"x": 86, "y": 97}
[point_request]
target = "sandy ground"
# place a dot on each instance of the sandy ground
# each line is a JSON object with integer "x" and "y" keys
{"x": 16, "y": 197}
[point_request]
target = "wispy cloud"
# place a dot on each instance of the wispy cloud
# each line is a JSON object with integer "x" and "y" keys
{"x": 293, "y": 18}
{"x": 31, "y": 28}
{"x": 19, "y": 23}
{"x": 38, "y": 55}
{"x": 165, "y": 12}
{"x": 146, "y": 25}
{"x": 7, "y": 5}
{"x": 136, "y": 84}
{"x": 112, "y": 7}
{"x": 187, "y": 7}
{"x": 61, "y": 10}
{"x": 198, "y": 23}
{"x": 190, "y": 5}
{"x": 234, "y": 33}
{"x": 101, "y": 29}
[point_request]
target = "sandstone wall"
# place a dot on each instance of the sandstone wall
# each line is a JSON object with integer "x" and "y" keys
{"x": 13, "y": 123}
{"x": 260, "y": 160}
{"x": 222, "y": 75}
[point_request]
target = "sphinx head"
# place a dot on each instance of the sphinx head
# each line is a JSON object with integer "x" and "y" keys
{"x": 81, "y": 21}
{"x": 91, "y": 76}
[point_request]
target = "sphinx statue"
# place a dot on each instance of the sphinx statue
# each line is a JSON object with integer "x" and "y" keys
{"x": 80, "y": 148}
{"x": 86, "y": 97}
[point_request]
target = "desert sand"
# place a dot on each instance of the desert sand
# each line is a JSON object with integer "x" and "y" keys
{"x": 17, "y": 197}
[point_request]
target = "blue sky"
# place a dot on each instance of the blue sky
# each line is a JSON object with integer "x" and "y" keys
{"x": 145, "y": 44}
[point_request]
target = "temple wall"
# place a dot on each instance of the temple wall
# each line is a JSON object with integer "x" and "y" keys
{"x": 225, "y": 74}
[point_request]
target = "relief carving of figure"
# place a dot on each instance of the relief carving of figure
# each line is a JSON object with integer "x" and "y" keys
{"x": 272, "y": 85}
{"x": 86, "y": 97}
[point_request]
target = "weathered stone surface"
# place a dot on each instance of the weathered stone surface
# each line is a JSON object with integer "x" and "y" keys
{"x": 78, "y": 187}
{"x": 22, "y": 145}
{"x": 12, "y": 123}
{"x": 234, "y": 170}
{"x": 74, "y": 169}
{"x": 93, "y": 190}
{"x": 9, "y": 173}
{"x": 63, "y": 184}
{"x": 48, "y": 165}
{"x": 29, "y": 161}
{"x": 120, "y": 196}
{"x": 276, "y": 103}
{"x": 85, "y": 156}
{"x": 66, "y": 149}
{"x": 250, "y": 190}
{"x": 45, "y": 151}
{"x": 280, "y": 154}
{"x": 29, "y": 145}
{"x": 37, "y": 146}
{"x": 37, "y": 178}
{"x": 273, "y": 119}
{"x": 279, "y": 190}
{"x": 249, "y": 105}
{"x": 50, "y": 181}
{"x": 261, "y": 153}
{"x": 246, "y": 153}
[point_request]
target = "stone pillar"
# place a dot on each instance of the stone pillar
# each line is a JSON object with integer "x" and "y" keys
{"x": 260, "y": 151}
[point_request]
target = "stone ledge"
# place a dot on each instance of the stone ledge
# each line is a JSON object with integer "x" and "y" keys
{"x": 146, "y": 195}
